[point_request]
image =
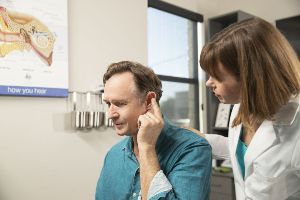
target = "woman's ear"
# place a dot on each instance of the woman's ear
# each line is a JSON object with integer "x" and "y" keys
{"x": 150, "y": 95}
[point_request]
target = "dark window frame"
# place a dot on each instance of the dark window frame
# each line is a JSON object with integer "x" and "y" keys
{"x": 172, "y": 9}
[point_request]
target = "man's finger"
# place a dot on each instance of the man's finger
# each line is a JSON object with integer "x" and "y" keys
{"x": 155, "y": 108}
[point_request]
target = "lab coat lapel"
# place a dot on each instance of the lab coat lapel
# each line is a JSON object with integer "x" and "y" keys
{"x": 235, "y": 134}
{"x": 233, "y": 137}
{"x": 264, "y": 137}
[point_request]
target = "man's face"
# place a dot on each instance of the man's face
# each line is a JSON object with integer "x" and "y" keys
{"x": 124, "y": 104}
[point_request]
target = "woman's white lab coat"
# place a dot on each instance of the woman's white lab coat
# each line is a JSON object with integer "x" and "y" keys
{"x": 272, "y": 160}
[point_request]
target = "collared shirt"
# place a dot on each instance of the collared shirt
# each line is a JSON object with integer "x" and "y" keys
{"x": 185, "y": 161}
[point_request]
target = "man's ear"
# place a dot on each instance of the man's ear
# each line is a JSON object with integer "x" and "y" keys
{"x": 150, "y": 95}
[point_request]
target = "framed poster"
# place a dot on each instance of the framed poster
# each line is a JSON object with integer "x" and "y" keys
{"x": 223, "y": 113}
{"x": 34, "y": 48}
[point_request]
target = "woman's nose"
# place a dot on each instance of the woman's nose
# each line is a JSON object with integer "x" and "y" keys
{"x": 209, "y": 82}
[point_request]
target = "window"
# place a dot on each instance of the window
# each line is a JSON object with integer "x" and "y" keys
{"x": 173, "y": 55}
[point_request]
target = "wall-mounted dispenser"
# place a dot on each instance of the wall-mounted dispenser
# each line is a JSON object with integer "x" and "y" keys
{"x": 88, "y": 110}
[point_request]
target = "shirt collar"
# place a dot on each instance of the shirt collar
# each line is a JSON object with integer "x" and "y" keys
{"x": 127, "y": 146}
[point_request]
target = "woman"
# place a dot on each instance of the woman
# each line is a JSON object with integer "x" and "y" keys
{"x": 252, "y": 65}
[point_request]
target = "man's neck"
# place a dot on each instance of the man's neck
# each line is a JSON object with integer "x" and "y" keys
{"x": 135, "y": 147}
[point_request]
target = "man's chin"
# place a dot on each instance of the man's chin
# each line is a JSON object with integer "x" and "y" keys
{"x": 124, "y": 133}
{"x": 121, "y": 134}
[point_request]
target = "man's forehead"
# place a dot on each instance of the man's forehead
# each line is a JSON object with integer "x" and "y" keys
{"x": 121, "y": 87}
{"x": 114, "y": 98}
{"x": 121, "y": 94}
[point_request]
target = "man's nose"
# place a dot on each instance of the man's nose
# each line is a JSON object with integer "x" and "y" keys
{"x": 112, "y": 112}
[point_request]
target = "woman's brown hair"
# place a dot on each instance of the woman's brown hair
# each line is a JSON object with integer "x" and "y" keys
{"x": 260, "y": 57}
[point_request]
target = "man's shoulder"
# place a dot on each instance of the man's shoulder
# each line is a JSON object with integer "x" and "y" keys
{"x": 188, "y": 134}
{"x": 182, "y": 134}
{"x": 177, "y": 143}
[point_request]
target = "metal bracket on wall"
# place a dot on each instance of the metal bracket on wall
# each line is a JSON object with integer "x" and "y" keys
{"x": 87, "y": 110}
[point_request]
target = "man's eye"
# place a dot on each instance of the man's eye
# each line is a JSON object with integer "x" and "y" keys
{"x": 120, "y": 104}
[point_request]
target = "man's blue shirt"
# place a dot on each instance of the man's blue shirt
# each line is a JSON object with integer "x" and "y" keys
{"x": 184, "y": 157}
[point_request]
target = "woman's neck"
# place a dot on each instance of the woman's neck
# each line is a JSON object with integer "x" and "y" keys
{"x": 249, "y": 132}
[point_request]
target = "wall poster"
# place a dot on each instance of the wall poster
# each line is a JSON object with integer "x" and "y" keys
{"x": 34, "y": 48}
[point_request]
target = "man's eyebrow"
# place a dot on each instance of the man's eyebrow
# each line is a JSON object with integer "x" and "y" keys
{"x": 119, "y": 101}
{"x": 115, "y": 101}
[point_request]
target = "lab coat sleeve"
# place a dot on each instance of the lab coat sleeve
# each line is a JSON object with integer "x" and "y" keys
{"x": 296, "y": 157}
{"x": 219, "y": 144}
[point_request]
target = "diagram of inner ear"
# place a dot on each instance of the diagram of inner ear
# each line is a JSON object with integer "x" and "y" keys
{"x": 22, "y": 32}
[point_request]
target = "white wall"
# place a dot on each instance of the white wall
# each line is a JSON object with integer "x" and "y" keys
{"x": 102, "y": 32}
{"x": 41, "y": 157}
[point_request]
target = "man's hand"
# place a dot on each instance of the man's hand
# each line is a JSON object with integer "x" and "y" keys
{"x": 150, "y": 126}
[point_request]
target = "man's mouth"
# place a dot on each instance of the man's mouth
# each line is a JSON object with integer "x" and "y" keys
{"x": 118, "y": 124}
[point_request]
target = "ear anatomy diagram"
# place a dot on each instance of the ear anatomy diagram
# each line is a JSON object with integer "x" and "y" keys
{"x": 22, "y": 32}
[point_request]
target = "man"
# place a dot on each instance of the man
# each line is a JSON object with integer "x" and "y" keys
{"x": 156, "y": 160}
